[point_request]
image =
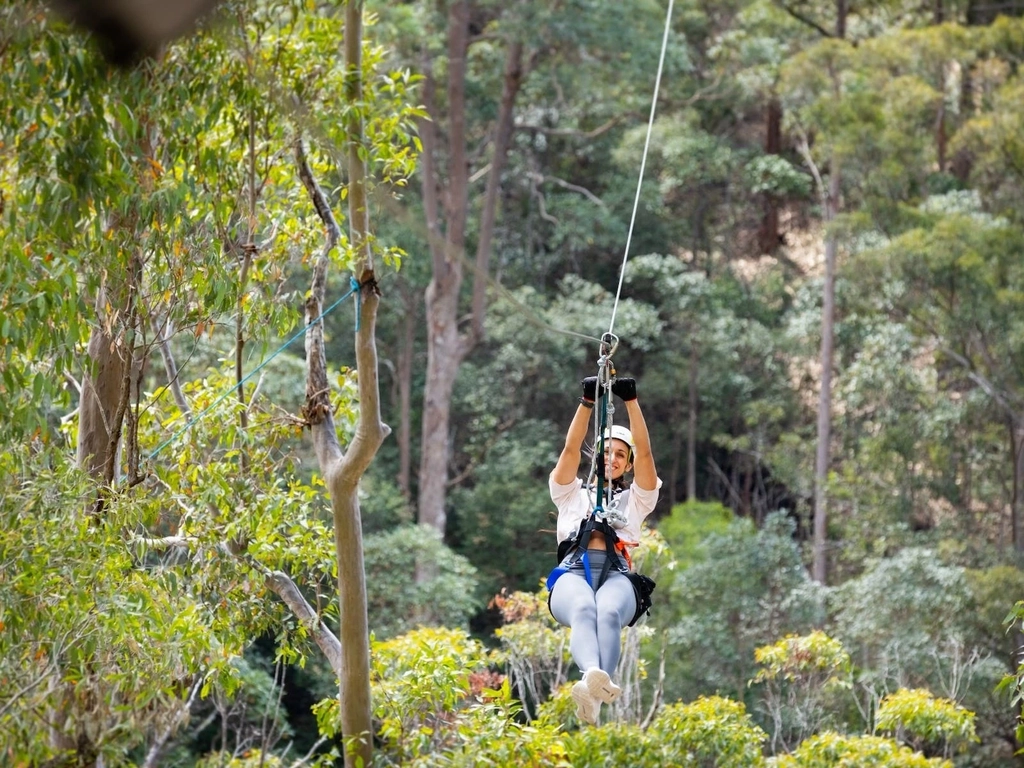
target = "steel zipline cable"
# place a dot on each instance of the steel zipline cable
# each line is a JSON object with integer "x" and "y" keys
{"x": 643, "y": 161}
{"x": 604, "y": 411}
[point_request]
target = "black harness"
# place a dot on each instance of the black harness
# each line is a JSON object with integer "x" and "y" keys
{"x": 573, "y": 550}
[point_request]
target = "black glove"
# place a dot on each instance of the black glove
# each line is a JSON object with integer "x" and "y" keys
{"x": 589, "y": 388}
{"x": 625, "y": 388}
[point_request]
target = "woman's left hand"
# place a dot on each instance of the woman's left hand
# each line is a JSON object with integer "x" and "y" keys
{"x": 625, "y": 388}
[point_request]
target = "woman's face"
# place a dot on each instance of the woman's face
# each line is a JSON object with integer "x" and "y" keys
{"x": 616, "y": 457}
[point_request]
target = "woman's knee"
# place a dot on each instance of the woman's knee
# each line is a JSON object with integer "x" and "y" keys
{"x": 617, "y": 605}
{"x": 572, "y": 600}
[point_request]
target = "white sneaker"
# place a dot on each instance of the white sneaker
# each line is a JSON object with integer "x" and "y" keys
{"x": 600, "y": 685}
{"x": 587, "y": 707}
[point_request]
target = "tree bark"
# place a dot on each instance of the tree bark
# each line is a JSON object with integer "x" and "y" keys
{"x": 819, "y": 568}
{"x": 691, "y": 427}
{"x": 1016, "y": 501}
{"x": 406, "y": 350}
{"x": 821, "y": 463}
{"x": 101, "y": 391}
{"x": 105, "y": 388}
{"x": 342, "y": 471}
{"x": 446, "y": 346}
{"x": 768, "y": 234}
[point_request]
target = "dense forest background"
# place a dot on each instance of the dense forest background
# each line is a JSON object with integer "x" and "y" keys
{"x": 823, "y": 306}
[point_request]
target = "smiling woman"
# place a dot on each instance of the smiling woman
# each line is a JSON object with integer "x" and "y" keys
{"x": 592, "y": 590}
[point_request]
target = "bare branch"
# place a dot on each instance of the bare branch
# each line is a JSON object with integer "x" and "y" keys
{"x": 155, "y": 751}
{"x": 717, "y": 470}
{"x": 541, "y": 206}
{"x": 283, "y": 586}
{"x": 163, "y": 332}
{"x": 805, "y": 20}
{"x": 804, "y": 149}
{"x": 256, "y": 392}
{"x": 989, "y": 388}
{"x": 540, "y": 178}
{"x": 317, "y": 409}
{"x": 163, "y": 543}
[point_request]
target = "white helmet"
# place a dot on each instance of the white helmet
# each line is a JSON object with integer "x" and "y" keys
{"x": 620, "y": 433}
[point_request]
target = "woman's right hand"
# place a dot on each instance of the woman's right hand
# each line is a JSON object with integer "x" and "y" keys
{"x": 589, "y": 385}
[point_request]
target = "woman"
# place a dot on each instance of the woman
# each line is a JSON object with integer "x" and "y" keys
{"x": 594, "y": 600}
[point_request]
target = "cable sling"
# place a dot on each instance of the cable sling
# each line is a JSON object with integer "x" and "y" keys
{"x": 353, "y": 289}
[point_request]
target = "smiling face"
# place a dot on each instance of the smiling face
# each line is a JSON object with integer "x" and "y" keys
{"x": 616, "y": 456}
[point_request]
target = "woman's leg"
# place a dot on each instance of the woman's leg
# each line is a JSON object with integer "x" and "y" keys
{"x": 573, "y": 605}
{"x": 616, "y": 604}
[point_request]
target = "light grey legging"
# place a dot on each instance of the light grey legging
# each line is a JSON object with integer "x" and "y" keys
{"x": 596, "y": 617}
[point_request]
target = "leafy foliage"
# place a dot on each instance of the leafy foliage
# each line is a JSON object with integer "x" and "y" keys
{"x": 81, "y": 616}
{"x": 920, "y": 719}
{"x": 797, "y": 675}
{"x": 895, "y": 616}
{"x": 397, "y": 601}
{"x": 750, "y": 586}
{"x": 833, "y": 750}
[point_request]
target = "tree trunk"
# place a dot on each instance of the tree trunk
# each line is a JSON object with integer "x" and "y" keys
{"x": 404, "y": 375}
{"x": 673, "y": 472}
{"x": 822, "y": 456}
{"x": 343, "y": 471}
{"x": 691, "y": 427}
{"x": 768, "y": 234}
{"x": 446, "y": 347}
{"x": 101, "y": 392}
{"x": 1016, "y": 501}
{"x": 444, "y": 353}
{"x": 106, "y": 391}
{"x": 443, "y": 359}
{"x": 821, "y": 462}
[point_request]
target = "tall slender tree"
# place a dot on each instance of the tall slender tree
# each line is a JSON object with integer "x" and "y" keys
{"x": 446, "y": 206}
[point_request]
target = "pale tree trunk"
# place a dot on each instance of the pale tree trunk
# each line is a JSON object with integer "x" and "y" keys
{"x": 445, "y": 352}
{"x": 106, "y": 387}
{"x": 821, "y": 460}
{"x": 342, "y": 471}
{"x": 691, "y": 427}
{"x": 163, "y": 331}
{"x": 104, "y": 402}
{"x": 446, "y": 346}
{"x": 101, "y": 392}
{"x": 822, "y": 456}
{"x": 830, "y": 206}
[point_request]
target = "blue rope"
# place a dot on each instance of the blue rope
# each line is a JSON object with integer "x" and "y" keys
{"x": 354, "y": 289}
{"x": 359, "y": 298}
